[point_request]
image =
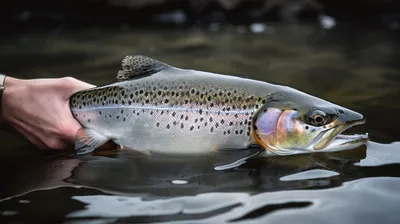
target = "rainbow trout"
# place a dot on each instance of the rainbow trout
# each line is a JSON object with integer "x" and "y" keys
{"x": 157, "y": 108}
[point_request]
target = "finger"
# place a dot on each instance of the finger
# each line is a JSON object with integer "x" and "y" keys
{"x": 49, "y": 140}
{"x": 34, "y": 140}
{"x": 71, "y": 130}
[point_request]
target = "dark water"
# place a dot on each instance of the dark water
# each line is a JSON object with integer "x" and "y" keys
{"x": 354, "y": 68}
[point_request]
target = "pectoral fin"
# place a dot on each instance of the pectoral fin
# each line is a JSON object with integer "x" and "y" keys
{"x": 229, "y": 159}
{"x": 87, "y": 141}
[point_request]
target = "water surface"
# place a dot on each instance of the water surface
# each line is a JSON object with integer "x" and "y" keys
{"x": 354, "y": 68}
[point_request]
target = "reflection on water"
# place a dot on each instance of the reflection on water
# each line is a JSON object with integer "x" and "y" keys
{"x": 135, "y": 189}
{"x": 355, "y": 69}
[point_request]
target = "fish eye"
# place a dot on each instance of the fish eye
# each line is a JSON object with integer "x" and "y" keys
{"x": 318, "y": 118}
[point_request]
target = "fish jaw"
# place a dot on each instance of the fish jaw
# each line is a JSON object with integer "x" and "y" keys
{"x": 333, "y": 140}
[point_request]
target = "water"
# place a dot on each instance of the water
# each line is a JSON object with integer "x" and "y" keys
{"x": 354, "y": 68}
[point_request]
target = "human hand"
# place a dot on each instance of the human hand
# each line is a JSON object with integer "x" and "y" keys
{"x": 39, "y": 109}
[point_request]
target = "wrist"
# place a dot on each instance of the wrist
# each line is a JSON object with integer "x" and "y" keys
{"x": 11, "y": 86}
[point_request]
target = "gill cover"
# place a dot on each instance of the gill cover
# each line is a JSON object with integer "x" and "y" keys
{"x": 277, "y": 130}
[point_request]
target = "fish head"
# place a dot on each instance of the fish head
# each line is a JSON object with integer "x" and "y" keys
{"x": 293, "y": 122}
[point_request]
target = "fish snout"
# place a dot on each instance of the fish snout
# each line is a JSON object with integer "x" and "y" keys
{"x": 349, "y": 116}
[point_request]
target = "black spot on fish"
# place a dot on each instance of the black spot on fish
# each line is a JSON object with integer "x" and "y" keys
{"x": 211, "y": 104}
{"x": 124, "y": 119}
{"x": 186, "y": 118}
{"x": 193, "y": 91}
{"x": 201, "y": 119}
{"x": 175, "y": 123}
{"x": 236, "y": 116}
{"x": 248, "y": 133}
{"x": 168, "y": 126}
{"x": 241, "y": 132}
{"x": 182, "y": 126}
{"x": 230, "y": 123}
{"x": 88, "y": 120}
{"x": 158, "y": 124}
{"x": 205, "y": 123}
{"x": 209, "y": 98}
{"x": 117, "y": 117}
{"x": 235, "y": 91}
{"x": 141, "y": 91}
{"x": 147, "y": 101}
{"x": 195, "y": 120}
{"x": 198, "y": 127}
{"x": 222, "y": 121}
{"x": 162, "y": 112}
{"x": 109, "y": 115}
{"x": 159, "y": 93}
{"x": 220, "y": 93}
{"x": 341, "y": 111}
{"x": 236, "y": 132}
{"x": 151, "y": 112}
{"x": 210, "y": 119}
{"x": 173, "y": 114}
{"x": 212, "y": 129}
{"x": 122, "y": 111}
{"x": 166, "y": 101}
{"x": 306, "y": 127}
{"x": 216, "y": 125}
{"x": 191, "y": 128}
{"x": 224, "y": 132}
{"x": 263, "y": 101}
{"x": 229, "y": 132}
{"x": 241, "y": 123}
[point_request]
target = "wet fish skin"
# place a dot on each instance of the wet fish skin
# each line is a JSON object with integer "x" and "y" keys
{"x": 174, "y": 111}
{"x": 157, "y": 108}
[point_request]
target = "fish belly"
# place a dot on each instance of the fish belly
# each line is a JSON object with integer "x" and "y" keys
{"x": 170, "y": 131}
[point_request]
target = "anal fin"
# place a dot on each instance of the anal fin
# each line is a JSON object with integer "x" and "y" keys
{"x": 234, "y": 158}
{"x": 87, "y": 141}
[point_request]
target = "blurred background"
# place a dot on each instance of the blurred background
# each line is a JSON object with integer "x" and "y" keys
{"x": 347, "y": 52}
{"x": 342, "y": 51}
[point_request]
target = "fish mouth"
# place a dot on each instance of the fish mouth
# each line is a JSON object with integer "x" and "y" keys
{"x": 333, "y": 139}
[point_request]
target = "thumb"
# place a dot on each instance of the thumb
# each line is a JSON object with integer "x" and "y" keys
{"x": 73, "y": 85}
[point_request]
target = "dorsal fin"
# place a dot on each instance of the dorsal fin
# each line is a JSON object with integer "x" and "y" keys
{"x": 138, "y": 65}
